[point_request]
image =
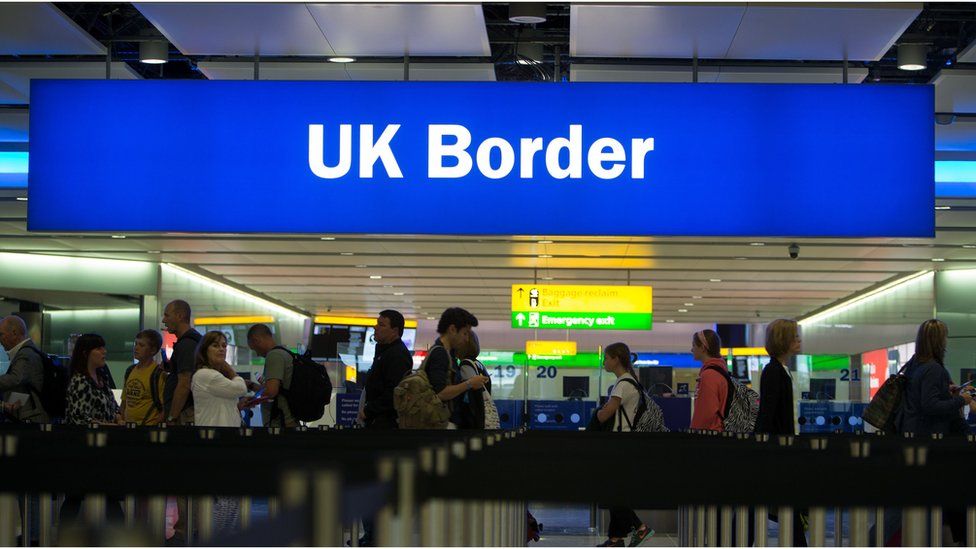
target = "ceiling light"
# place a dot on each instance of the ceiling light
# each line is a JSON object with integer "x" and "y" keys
{"x": 342, "y": 59}
{"x": 398, "y": 293}
{"x": 550, "y": 278}
{"x": 345, "y": 253}
{"x": 529, "y": 54}
{"x": 689, "y": 304}
{"x": 118, "y": 236}
{"x": 696, "y": 297}
{"x": 154, "y": 52}
{"x": 361, "y": 266}
{"x": 861, "y": 299}
{"x": 545, "y": 242}
{"x": 431, "y": 318}
{"x": 152, "y": 252}
{"x": 938, "y": 259}
{"x": 714, "y": 279}
{"x": 912, "y": 57}
{"x": 375, "y": 277}
{"x": 757, "y": 243}
{"x": 22, "y": 199}
{"x": 327, "y": 238}
{"x": 669, "y": 321}
{"x": 527, "y": 13}
{"x": 970, "y": 246}
{"x": 682, "y": 310}
{"x": 544, "y": 256}
{"x": 741, "y": 258}
{"x": 943, "y": 207}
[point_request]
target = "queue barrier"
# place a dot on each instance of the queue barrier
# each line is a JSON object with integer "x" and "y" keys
{"x": 455, "y": 488}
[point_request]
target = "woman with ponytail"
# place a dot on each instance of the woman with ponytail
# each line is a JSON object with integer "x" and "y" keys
{"x": 712, "y": 391}
{"x": 621, "y": 409}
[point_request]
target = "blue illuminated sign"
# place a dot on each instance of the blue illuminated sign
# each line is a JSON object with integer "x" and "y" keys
{"x": 482, "y": 158}
{"x": 13, "y": 169}
{"x": 955, "y": 178}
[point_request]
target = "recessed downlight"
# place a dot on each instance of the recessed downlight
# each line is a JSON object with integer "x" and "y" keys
{"x": 375, "y": 277}
{"x": 346, "y": 253}
{"x": 118, "y": 236}
{"x": 341, "y": 59}
{"x": 714, "y": 279}
{"x": 938, "y": 259}
{"x": 21, "y": 199}
{"x": 689, "y": 304}
{"x": 544, "y": 242}
{"x": 544, "y": 256}
{"x": 682, "y": 310}
{"x": 670, "y": 321}
{"x": 327, "y": 238}
{"x": 397, "y": 293}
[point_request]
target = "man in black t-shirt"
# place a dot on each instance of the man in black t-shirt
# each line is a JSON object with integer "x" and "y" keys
{"x": 454, "y": 328}
{"x": 177, "y": 398}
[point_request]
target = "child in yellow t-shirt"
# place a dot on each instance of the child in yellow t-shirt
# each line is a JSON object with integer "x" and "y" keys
{"x": 142, "y": 391}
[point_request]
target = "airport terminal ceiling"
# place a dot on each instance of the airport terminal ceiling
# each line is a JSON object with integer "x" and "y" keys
{"x": 729, "y": 280}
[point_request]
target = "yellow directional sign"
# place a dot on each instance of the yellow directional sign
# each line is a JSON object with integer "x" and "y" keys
{"x": 550, "y": 348}
{"x": 547, "y": 306}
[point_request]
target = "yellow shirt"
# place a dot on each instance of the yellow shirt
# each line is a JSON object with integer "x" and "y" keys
{"x": 140, "y": 406}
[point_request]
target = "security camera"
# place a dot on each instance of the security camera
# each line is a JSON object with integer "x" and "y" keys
{"x": 944, "y": 118}
{"x": 794, "y": 251}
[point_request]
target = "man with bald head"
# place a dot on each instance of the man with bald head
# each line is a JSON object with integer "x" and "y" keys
{"x": 26, "y": 372}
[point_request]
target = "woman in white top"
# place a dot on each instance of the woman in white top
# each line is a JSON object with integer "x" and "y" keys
{"x": 622, "y": 406}
{"x": 217, "y": 390}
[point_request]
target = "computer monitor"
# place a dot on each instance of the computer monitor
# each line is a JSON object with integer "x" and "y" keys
{"x": 657, "y": 380}
{"x": 823, "y": 389}
{"x": 576, "y": 387}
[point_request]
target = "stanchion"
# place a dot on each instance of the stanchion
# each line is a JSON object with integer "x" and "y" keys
{"x": 682, "y": 542}
{"x": 326, "y": 529}
{"x": 838, "y": 527}
{"x": 879, "y": 534}
{"x": 245, "y": 512}
{"x": 785, "y": 526}
{"x": 935, "y": 528}
{"x": 205, "y": 514}
{"x": 25, "y": 520}
{"x": 385, "y": 533}
{"x": 455, "y": 508}
{"x": 157, "y": 519}
{"x": 762, "y": 526}
{"x": 971, "y": 526}
{"x": 354, "y": 533}
{"x": 130, "y": 511}
{"x": 46, "y": 522}
{"x": 8, "y": 510}
{"x": 913, "y": 526}
{"x": 95, "y": 510}
{"x": 725, "y": 539}
{"x": 191, "y": 520}
{"x": 699, "y": 526}
{"x": 742, "y": 526}
{"x": 818, "y": 527}
{"x": 711, "y": 537}
{"x": 406, "y": 496}
{"x": 859, "y": 527}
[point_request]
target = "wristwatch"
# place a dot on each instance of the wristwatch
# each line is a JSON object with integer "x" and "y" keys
{"x": 469, "y": 384}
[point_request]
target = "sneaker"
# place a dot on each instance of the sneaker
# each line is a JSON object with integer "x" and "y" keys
{"x": 611, "y": 543}
{"x": 639, "y": 536}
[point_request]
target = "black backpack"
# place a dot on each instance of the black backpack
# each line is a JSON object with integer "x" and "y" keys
{"x": 54, "y": 391}
{"x": 311, "y": 388}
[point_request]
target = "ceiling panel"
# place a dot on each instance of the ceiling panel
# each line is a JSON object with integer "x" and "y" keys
{"x": 967, "y": 55}
{"x": 238, "y": 28}
{"x": 668, "y": 31}
{"x": 958, "y": 136}
{"x": 13, "y": 124}
{"x": 955, "y": 91}
{"x": 461, "y": 72}
{"x": 584, "y": 72}
{"x": 15, "y": 77}
{"x": 28, "y": 28}
{"x": 858, "y": 32}
{"x": 399, "y": 29}
{"x": 787, "y": 75}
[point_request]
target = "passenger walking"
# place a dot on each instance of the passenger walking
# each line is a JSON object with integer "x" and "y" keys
{"x": 621, "y": 408}
{"x": 454, "y": 328}
{"x": 712, "y": 390}
{"x": 142, "y": 388}
{"x": 25, "y": 374}
{"x": 478, "y": 410}
{"x": 217, "y": 390}
{"x": 776, "y": 401}
{"x": 90, "y": 400}
{"x": 391, "y": 362}
{"x": 276, "y": 379}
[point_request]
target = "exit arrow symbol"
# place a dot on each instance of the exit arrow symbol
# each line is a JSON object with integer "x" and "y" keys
{"x": 520, "y": 318}
{"x": 520, "y": 290}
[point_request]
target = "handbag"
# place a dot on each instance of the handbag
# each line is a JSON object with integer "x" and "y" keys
{"x": 883, "y": 408}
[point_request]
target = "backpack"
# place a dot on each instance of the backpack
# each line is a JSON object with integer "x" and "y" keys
{"x": 311, "y": 389}
{"x": 648, "y": 418}
{"x": 54, "y": 390}
{"x": 416, "y": 403}
{"x": 741, "y": 405}
{"x": 154, "y": 377}
{"x": 883, "y": 408}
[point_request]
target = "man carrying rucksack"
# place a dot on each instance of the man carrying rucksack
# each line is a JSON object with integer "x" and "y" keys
{"x": 454, "y": 328}
{"x": 25, "y": 376}
{"x": 278, "y": 372}
{"x": 391, "y": 362}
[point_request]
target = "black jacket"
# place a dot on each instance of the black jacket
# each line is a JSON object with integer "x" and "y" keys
{"x": 927, "y": 406}
{"x": 391, "y": 362}
{"x": 775, "y": 401}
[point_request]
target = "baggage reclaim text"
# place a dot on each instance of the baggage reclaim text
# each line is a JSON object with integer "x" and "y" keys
{"x": 449, "y": 154}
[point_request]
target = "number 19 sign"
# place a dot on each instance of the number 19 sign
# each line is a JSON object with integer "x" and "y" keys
{"x": 551, "y": 307}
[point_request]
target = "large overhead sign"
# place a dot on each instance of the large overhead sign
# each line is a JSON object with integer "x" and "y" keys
{"x": 564, "y": 307}
{"x": 558, "y": 159}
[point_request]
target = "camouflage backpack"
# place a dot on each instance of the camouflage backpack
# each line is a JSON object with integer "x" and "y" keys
{"x": 416, "y": 403}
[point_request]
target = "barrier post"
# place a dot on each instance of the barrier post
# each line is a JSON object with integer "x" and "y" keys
{"x": 8, "y": 510}
{"x": 859, "y": 527}
{"x": 25, "y": 523}
{"x": 711, "y": 524}
{"x": 385, "y": 534}
{"x": 95, "y": 510}
{"x": 935, "y": 530}
{"x": 157, "y": 519}
{"x": 742, "y": 526}
{"x": 838, "y": 527}
{"x": 456, "y": 527}
{"x": 971, "y": 526}
{"x": 725, "y": 539}
{"x": 245, "y": 512}
{"x": 205, "y": 513}
{"x": 913, "y": 525}
{"x": 46, "y": 523}
{"x": 879, "y": 537}
{"x": 130, "y": 511}
{"x": 762, "y": 528}
{"x": 699, "y": 539}
{"x": 406, "y": 501}
{"x": 785, "y": 526}
{"x": 326, "y": 527}
{"x": 818, "y": 527}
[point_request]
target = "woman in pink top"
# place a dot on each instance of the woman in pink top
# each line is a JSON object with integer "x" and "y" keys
{"x": 712, "y": 391}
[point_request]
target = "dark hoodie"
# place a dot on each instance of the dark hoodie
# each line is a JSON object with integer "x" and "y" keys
{"x": 928, "y": 406}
